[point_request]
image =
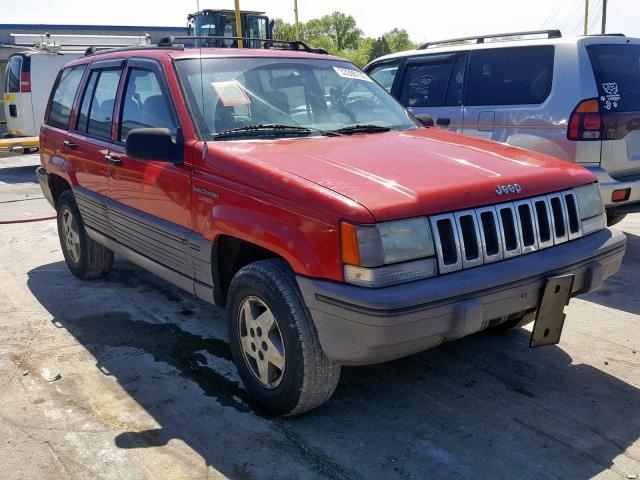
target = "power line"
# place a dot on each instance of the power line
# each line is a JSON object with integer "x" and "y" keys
{"x": 553, "y": 13}
{"x": 574, "y": 12}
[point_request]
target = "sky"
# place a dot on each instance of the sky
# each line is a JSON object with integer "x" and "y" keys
{"x": 423, "y": 19}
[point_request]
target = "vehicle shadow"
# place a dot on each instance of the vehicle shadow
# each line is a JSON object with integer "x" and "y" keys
{"x": 615, "y": 293}
{"x": 484, "y": 407}
{"x": 20, "y": 174}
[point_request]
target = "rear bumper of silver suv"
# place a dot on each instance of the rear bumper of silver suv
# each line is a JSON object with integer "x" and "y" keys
{"x": 607, "y": 186}
{"x": 359, "y": 326}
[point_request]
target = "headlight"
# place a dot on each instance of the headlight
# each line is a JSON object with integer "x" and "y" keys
{"x": 589, "y": 201}
{"x": 373, "y": 253}
{"x": 591, "y": 208}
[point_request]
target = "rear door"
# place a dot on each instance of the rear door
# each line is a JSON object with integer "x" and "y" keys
{"x": 434, "y": 85}
{"x": 17, "y": 96}
{"x": 617, "y": 73}
{"x": 507, "y": 90}
{"x": 90, "y": 139}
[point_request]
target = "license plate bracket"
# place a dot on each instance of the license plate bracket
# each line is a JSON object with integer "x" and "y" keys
{"x": 547, "y": 328}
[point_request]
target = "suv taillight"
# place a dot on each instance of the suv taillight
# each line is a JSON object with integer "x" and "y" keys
{"x": 585, "y": 122}
{"x": 25, "y": 82}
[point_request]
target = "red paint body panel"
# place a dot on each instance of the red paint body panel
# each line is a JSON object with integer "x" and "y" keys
{"x": 289, "y": 195}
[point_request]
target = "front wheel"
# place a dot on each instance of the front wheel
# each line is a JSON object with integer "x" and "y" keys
{"x": 274, "y": 342}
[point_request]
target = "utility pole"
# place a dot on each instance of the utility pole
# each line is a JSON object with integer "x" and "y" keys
{"x": 295, "y": 11}
{"x": 604, "y": 16}
{"x": 586, "y": 17}
{"x": 239, "y": 25}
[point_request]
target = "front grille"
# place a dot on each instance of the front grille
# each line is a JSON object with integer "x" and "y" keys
{"x": 484, "y": 235}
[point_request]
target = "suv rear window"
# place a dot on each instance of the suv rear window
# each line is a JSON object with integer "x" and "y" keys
{"x": 12, "y": 75}
{"x": 63, "y": 95}
{"x": 617, "y": 72}
{"x": 511, "y": 76}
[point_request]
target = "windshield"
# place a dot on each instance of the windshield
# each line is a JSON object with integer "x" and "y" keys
{"x": 319, "y": 95}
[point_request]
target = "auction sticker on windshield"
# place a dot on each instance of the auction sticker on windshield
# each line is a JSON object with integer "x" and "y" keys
{"x": 231, "y": 93}
{"x": 353, "y": 74}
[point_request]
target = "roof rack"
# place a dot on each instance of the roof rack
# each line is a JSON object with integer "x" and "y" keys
{"x": 482, "y": 38}
{"x": 297, "y": 45}
{"x": 96, "y": 50}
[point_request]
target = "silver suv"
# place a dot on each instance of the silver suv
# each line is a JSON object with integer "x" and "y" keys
{"x": 577, "y": 99}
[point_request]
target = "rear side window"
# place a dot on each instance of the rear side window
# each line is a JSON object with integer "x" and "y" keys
{"x": 63, "y": 96}
{"x": 385, "y": 74}
{"x": 425, "y": 84}
{"x": 510, "y": 76}
{"x": 12, "y": 75}
{"x": 145, "y": 105}
{"x": 617, "y": 72}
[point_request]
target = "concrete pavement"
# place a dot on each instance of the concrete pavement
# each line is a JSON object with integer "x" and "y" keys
{"x": 130, "y": 378}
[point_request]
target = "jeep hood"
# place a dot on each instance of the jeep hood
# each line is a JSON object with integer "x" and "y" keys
{"x": 420, "y": 172}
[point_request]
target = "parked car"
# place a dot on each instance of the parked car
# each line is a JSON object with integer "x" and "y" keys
{"x": 289, "y": 187}
{"x": 577, "y": 99}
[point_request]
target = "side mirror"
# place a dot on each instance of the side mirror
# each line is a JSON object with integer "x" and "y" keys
{"x": 425, "y": 119}
{"x": 155, "y": 144}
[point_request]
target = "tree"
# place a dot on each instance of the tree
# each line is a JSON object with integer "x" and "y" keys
{"x": 380, "y": 47}
{"x": 342, "y": 28}
{"x": 398, "y": 40}
{"x": 339, "y": 35}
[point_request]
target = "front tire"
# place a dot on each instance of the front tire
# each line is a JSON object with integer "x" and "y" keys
{"x": 274, "y": 342}
{"x": 86, "y": 258}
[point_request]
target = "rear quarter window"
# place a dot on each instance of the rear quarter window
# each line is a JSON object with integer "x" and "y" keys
{"x": 63, "y": 95}
{"x": 617, "y": 74}
{"x": 511, "y": 76}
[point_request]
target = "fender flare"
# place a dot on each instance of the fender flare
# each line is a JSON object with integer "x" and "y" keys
{"x": 280, "y": 237}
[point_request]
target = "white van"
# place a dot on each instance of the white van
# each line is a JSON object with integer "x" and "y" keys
{"x": 29, "y": 77}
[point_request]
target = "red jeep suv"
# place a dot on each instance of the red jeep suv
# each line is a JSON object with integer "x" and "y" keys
{"x": 286, "y": 185}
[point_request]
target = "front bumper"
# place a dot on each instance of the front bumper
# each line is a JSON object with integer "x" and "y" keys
{"x": 359, "y": 326}
{"x": 608, "y": 184}
{"x": 43, "y": 180}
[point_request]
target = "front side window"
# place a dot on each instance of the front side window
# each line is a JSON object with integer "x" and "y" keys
{"x": 617, "y": 71}
{"x": 316, "y": 95}
{"x": 510, "y": 76}
{"x": 145, "y": 105}
{"x": 63, "y": 96}
{"x": 12, "y": 75}
{"x": 425, "y": 84}
{"x": 385, "y": 74}
{"x": 96, "y": 110}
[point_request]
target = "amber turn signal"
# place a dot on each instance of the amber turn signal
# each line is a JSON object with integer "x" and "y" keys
{"x": 349, "y": 244}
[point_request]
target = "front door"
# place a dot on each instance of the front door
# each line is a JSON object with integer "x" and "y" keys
{"x": 150, "y": 200}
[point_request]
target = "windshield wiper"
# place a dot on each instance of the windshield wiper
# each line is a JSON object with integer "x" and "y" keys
{"x": 270, "y": 128}
{"x": 362, "y": 129}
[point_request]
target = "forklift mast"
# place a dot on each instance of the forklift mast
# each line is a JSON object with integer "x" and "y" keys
{"x": 222, "y": 23}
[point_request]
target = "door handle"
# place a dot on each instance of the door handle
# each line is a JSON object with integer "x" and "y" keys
{"x": 444, "y": 122}
{"x": 69, "y": 145}
{"x": 114, "y": 160}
